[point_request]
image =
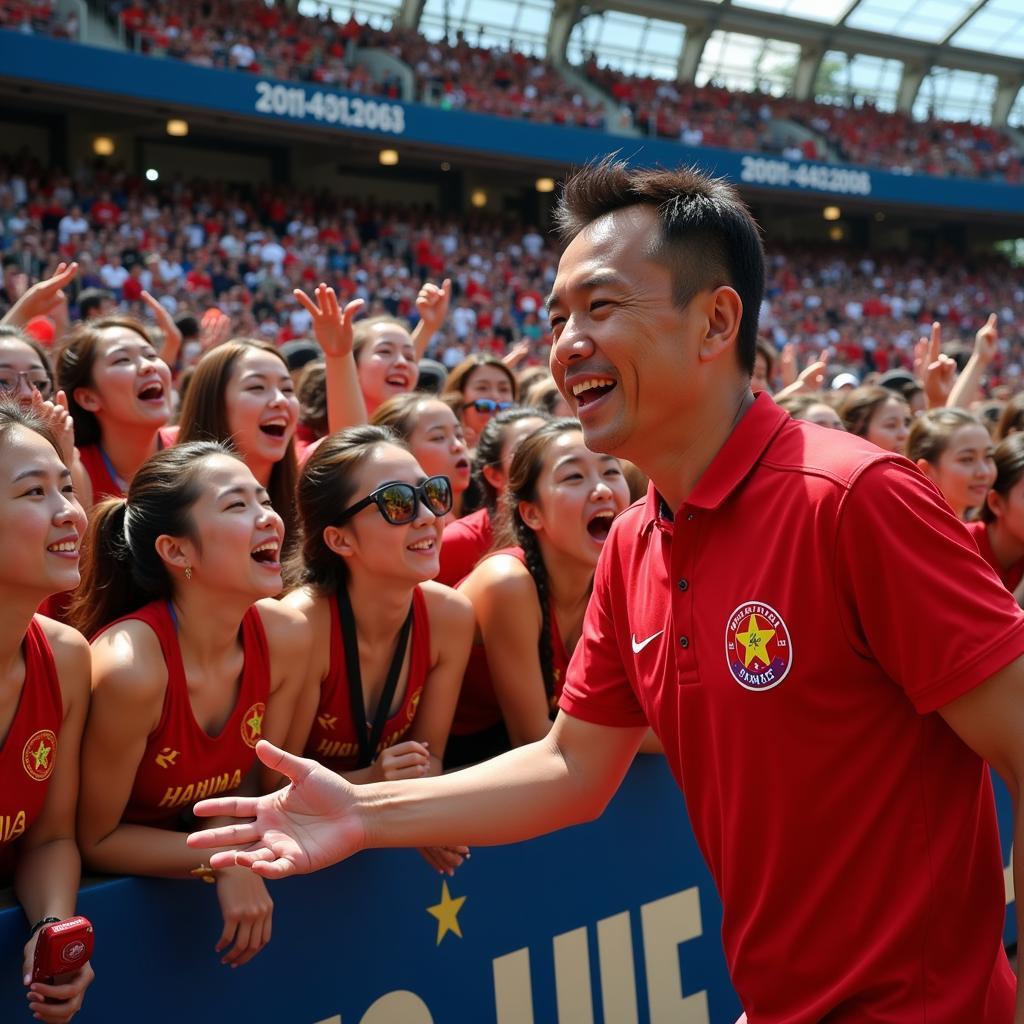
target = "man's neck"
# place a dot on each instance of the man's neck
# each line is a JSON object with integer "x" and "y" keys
{"x": 678, "y": 460}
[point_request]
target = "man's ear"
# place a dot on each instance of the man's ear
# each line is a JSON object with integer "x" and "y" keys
{"x": 724, "y": 310}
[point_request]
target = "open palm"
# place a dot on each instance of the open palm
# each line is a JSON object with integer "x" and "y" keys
{"x": 308, "y": 825}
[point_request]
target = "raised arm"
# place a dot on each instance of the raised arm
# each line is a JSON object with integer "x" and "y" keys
{"x": 332, "y": 328}
{"x": 432, "y": 306}
{"x": 566, "y": 778}
{"x": 968, "y": 384}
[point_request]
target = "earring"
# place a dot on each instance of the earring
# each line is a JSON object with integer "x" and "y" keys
{"x": 188, "y": 572}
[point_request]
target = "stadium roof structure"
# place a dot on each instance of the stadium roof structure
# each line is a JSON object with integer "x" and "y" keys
{"x": 954, "y": 59}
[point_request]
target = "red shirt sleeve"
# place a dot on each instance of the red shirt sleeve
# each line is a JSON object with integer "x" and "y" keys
{"x": 597, "y": 688}
{"x": 915, "y": 595}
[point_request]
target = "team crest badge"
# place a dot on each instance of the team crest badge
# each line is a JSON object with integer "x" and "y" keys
{"x": 758, "y": 647}
{"x": 252, "y": 724}
{"x": 39, "y": 755}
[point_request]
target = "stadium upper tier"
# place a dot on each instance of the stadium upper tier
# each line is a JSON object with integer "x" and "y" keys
{"x": 252, "y": 38}
{"x": 199, "y": 243}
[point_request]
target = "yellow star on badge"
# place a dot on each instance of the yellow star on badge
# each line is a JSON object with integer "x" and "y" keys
{"x": 447, "y": 913}
{"x": 255, "y": 723}
{"x": 42, "y": 756}
{"x": 755, "y": 642}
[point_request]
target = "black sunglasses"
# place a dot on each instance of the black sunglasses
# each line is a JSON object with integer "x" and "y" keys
{"x": 399, "y": 503}
{"x": 490, "y": 405}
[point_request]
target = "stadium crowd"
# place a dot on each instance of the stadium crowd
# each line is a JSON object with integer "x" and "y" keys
{"x": 257, "y": 39}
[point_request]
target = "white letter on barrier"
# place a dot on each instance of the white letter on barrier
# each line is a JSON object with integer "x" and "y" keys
{"x": 399, "y": 1007}
{"x": 618, "y": 975}
{"x": 572, "y": 978}
{"x": 666, "y": 923}
{"x": 513, "y": 991}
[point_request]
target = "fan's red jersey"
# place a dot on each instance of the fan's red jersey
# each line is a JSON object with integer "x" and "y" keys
{"x": 29, "y": 749}
{"x": 478, "y": 707}
{"x": 1010, "y": 577}
{"x": 463, "y": 544}
{"x": 182, "y": 763}
{"x": 789, "y": 632}
{"x": 333, "y": 740}
{"x": 100, "y": 471}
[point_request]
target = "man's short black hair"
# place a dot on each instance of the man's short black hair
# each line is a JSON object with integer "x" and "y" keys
{"x": 708, "y": 236}
{"x": 90, "y": 300}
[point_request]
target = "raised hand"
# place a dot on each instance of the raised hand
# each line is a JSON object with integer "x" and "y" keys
{"x": 43, "y": 298}
{"x": 788, "y": 364}
{"x": 332, "y": 326}
{"x": 214, "y": 329}
{"x": 986, "y": 341}
{"x": 55, "y": 414}
{"x": 168, "y": 328}
{"x": 939, "y": 374}
{"x": 432, "y": 304}
{"x": 444, "y": 859}
{"x": 515, "y": 355}
{"x": 810, "y": 381}
{"x": 308, "y": 825}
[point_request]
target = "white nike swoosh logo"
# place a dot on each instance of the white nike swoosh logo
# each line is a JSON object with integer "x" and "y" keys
{"x": 639, "y": 646}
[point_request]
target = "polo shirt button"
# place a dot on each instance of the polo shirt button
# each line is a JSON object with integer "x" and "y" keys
{"x": 684, "y": 642}
{"x": 683, "y": 585}
{"x": 692, "y": 516}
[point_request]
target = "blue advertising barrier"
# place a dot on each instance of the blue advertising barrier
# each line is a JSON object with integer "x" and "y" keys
{"x": 83, "y": 68}
{"x": 614, "y": 921}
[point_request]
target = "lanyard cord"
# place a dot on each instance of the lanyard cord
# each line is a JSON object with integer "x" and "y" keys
{"x": 369, "y": 737}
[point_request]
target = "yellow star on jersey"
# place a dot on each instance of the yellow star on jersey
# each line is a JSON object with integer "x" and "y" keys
{"x": 42, "y": 756}
{"x": 755, "y": 642}
{"x": 447, "y": 913}
{"x": 255, "y": 723}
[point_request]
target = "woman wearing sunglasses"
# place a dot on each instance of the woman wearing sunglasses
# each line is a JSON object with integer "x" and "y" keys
{"x": 434, "y": 436}
{"x": 484, "y": 385}
{"x": 119, "y": 396}
{"x": 192, "y": 665}
{"x": 388, "y": 647}
{"x": 529, "y": 596}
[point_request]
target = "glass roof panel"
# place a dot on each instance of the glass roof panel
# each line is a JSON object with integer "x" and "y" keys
{"x": 930, "y": 20}
{"x": 951, "y": 95}
{"x": 813, "y": 10}
{"x": 854, "y": 80}
{"x": 748, "y": 62}
{"x": 1016, "y": 117}
{"x": 998, "y": 27}
{"x": 635, "y": 45}
{"x": 378, "y": 13}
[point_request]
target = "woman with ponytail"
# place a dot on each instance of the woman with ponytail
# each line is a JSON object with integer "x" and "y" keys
{"x": 999, "y": 533}
{"x": 388, "y": 646}
{"x": 44, "y": 692}
{"x": 119, "y": 396}
{"x": 190, "y": 670}
{"x": 468, "y": 539}
{"x": 241, "y": 393}
{"x": 531, "y": 594}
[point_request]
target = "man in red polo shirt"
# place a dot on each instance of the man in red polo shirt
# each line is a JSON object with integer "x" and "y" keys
{"x": 798, "y": 615}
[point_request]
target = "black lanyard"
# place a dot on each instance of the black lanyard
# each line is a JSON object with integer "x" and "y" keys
{"x": 369, "y": 738}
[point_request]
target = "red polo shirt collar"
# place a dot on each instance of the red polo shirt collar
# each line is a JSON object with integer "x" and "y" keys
{"x": 730, "y": 466}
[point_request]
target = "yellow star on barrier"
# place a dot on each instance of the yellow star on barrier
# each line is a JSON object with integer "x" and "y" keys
{"x": 755, "y": 642}
{"x": 447, "y": 913}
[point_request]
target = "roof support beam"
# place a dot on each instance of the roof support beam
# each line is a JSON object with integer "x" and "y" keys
{"x": 800, "y": 30}
{"x": 409, "y": 13}
{"x": 971, "y": 12}
{"x": 1006, "y": 95}
{"x": 564, "y": 16}
{"x": 910, "y": 85}
{"x": 807, "y": 71}
{"x": 694, "y": 41}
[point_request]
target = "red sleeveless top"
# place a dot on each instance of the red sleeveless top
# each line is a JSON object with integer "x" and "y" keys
{"x": 182, "y": 763}
{"x": 29, "y": 750}
{"x": 333, "y": 740}
{"x": 99, "y": 470}
{"x": 478, "y": 707}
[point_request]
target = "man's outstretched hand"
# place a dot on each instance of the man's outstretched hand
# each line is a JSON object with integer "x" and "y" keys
{"x": 308, "y": 825}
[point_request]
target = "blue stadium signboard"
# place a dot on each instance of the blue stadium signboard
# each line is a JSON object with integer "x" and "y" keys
{"x": 84, "y": 68}
{"x": 616, "y": 921}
